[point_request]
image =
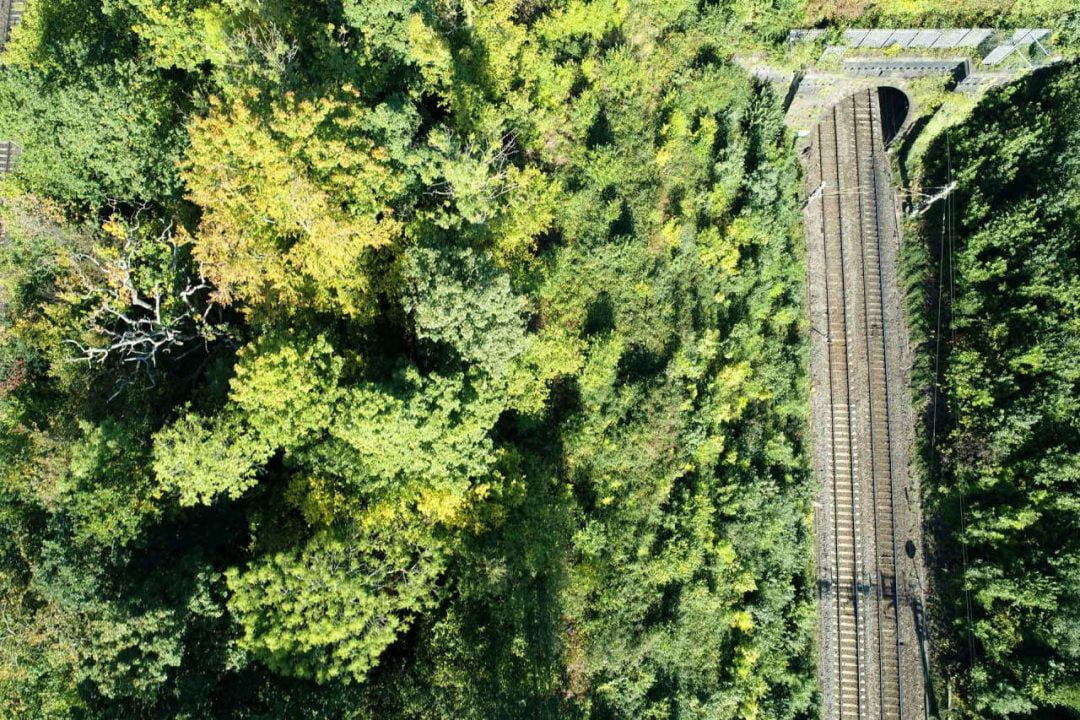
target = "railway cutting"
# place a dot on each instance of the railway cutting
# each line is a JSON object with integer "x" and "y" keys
{"x": 846, "y": 108}
{"x": 868, "y": 513}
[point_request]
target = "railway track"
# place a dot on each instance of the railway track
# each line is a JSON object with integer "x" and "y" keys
{"x": 869, "y": 147}
{"x": 849, "y": 630}
{"x": 10, "y": 15}
{"x": 11, "y": 12}
{"x": 7, "y": 156}
{"x": 865, "y": 608}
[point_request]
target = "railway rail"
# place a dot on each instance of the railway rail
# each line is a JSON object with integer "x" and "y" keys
{"x": 10, "y": 15}
{"x": 842, "y": 457}
{"x": 868, "y": 148}
{"x": 11, "y": 12}
{"x": 863, "y": 612}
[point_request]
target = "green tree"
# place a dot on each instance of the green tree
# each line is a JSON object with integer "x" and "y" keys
{"x": 481, "y": 389}
{"x": 93, "y": 124}
{"x": 329, "y": 609}
{"x": 1007, "y": 460}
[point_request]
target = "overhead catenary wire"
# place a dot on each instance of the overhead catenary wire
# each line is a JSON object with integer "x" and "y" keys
{"x": 823, "y": 191}
{"x": 947, "y": 245}
{"x": 950, "y": 211}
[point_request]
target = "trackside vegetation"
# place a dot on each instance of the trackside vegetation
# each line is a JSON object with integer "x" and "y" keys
{"x": 999, "y": 311}
{"x": 406, "y": 359}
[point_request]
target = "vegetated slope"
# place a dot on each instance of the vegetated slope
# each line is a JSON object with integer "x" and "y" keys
{"x": 1005, "y": 257}
{"x": 399, "y": 359}
{"x": 1059, "y": 14}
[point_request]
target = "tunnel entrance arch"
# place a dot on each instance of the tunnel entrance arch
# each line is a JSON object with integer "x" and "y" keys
{"x": 893, "y": 112}
{"x": 895, "y": 108}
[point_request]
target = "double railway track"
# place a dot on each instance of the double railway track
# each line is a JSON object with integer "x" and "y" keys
{"x": 11, "y": 12}
{"x": 841, "y": 458}
{"x": 847, "y": 168}
{"x": 10, "y": 15}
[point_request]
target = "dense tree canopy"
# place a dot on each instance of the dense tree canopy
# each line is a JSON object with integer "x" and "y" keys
{"x": 408, "y": 358}
{"x": 446, "y": 359}
{"x": 1004, "y": 486}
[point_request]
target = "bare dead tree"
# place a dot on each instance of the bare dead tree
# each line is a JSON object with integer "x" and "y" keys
{"x": 263, "y": 39}
{"x": 134, "y": 326}
{"x": 453, "y": 15}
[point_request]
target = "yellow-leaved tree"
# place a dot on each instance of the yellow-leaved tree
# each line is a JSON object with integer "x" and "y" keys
{"x": 295, "y": 200}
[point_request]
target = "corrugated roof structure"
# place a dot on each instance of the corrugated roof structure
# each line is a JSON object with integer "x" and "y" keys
{"x": 906, "y": 67}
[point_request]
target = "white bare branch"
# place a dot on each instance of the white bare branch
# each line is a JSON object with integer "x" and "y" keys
{"x": 137, "y": 327}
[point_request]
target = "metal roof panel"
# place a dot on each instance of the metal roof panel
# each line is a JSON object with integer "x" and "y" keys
{"x": 975, "y": 37}
{"x": 925, "y": 38}
{"x": 1022, "y": 36}
{"x": 998, "y": 54}
{"x": 949, "y": 38}
{"x": 902, "y": 38}
{"x": 855, "y": 37}
{"x": 876, "y": 38}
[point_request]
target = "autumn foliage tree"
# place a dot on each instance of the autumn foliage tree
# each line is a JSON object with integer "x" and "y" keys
{"x": 481, "y": 389}
{"x": 323, "y": 203}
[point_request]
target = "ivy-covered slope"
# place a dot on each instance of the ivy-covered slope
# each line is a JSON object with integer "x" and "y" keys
{"x": 1003, "y": 259}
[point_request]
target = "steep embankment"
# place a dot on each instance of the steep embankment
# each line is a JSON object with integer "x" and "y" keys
{"x": 996, "y": 285}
